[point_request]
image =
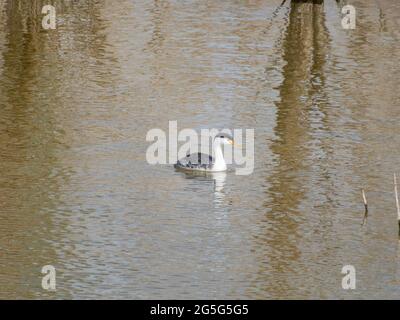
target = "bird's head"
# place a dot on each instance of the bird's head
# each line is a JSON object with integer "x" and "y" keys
{"x": 224, "y": 138}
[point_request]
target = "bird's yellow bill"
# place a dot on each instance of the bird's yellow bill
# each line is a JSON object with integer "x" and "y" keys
{"x": 235, "y": 144}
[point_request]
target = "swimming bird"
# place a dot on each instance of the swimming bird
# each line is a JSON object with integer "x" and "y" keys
{"x": 204, "y": 162}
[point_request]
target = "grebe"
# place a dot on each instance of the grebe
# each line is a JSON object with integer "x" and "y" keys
{"x": 204, "y": 162}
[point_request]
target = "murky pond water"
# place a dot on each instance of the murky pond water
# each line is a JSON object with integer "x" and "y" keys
{"x": 76, "y": 191}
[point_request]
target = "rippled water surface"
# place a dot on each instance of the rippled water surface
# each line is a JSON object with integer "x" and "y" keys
{"x": 77, "y": 192}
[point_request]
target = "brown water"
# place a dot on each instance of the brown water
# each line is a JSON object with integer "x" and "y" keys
{"x": 76, "y": 191}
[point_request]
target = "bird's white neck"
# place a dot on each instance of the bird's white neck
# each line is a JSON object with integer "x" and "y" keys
{"x": 219, "y": 164}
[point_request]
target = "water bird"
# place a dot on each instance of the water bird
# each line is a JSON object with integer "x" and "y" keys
{"x": 204, "y": 162}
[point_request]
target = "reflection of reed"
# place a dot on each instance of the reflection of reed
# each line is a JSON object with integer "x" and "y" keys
{"x": 158, "y": 16}
{"x": 304, "y": 56}
{"x": 34, "y": 114}
{"x": 24, "y": 147}
{"x": 303, "y": 52}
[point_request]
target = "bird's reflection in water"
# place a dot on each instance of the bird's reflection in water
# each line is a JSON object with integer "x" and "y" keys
{"x": 219, "y": 183}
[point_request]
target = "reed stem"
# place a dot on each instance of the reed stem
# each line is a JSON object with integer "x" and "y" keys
{"x": 365, "y": 206}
